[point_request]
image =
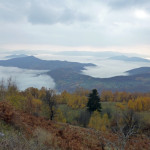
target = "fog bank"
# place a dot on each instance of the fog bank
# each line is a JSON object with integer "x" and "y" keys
{"x": 105, "y": 67}
{"x": 25, "y": 78}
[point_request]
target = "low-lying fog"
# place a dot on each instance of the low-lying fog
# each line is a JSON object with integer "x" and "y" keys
{"x": 25, "y": 78}
{"x": 104, "y": 68}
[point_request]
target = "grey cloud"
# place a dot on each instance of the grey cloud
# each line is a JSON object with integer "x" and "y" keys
{"x": 40, "y": 12}
{"x": 61, "y": 11}
{"x": 73, "y": 23}
{"x": 124, "y": 4}
{"x": 54, "y": 13}
{"x": 13, "y": 11}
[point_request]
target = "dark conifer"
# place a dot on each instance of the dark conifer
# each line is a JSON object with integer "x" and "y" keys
{"x": 94, "y": 102}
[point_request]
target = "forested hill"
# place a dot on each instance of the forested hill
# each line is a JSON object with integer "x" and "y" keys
{"x": 67, "y": 79}
{"x": 141, "y": 70}
{"x": 31, "y": 62}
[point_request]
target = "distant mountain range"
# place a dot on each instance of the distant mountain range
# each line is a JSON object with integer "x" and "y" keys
{"x": 67, "y": 75}
{"x": 31, "y": 62}
{"x": 133, "y": 59}
{"x": 87, "y": 53}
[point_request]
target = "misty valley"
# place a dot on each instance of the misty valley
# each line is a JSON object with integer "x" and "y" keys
{"x": 71, "y": 72}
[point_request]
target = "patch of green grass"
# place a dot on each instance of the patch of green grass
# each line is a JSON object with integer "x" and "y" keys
{"x": 110, "y": 108}
{"x": 111, "y": 105}
{"x": 69, "y": 113}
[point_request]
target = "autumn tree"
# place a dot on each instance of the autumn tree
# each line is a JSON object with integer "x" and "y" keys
{"x": 124, "y": 126}
{"x": 94, "y": 102}
{"x": 99, "y": 122}
{"x": 95, "y": 120}
{"x": 74, "y": 100}
{"x": 84, "y": 118}
{"x": 33, "y": 91}
{"x": 59, "y": 117}
{"x": 139, "y": 104}
{"x": 107, "y": 96}
{"x": 2, "y": 90}
{"x": 12, "y": 88}
{"x": 50, "y": 99}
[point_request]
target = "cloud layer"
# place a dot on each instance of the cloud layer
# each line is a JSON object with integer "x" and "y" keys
{"x": 75, "y": 23}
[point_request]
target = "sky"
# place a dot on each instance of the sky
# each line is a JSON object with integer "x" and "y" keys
{"x": 90, "y": 25}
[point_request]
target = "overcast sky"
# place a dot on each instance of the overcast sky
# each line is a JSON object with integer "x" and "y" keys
{"x": 117, "y": 25}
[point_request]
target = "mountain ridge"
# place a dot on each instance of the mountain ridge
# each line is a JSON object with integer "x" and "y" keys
{"x": 132, "y": 59}
{"x": 68, "y": 75}
{"x": 31, "y": 62}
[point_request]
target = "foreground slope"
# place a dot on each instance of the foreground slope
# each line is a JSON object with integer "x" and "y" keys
{"x": 66, "y": 136}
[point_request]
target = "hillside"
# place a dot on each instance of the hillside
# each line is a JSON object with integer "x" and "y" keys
{"x": 64, "y": 136}
{"x": 67, "y": 136}
{"x": 141, "y": 70}
{"x": 67, "y": 79}
{"x": 68, "y": 75}
{"x": 31, "y": 62}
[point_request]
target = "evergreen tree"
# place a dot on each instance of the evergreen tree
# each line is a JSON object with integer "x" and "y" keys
{"x": 94, "y": 102}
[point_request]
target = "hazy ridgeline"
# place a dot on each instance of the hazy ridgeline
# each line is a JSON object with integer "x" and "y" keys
{"x": 104, "y": 68}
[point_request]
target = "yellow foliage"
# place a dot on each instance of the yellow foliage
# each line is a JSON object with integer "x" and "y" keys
{"x": 17, "y": 101}
{"x": 95, "y": 120}
{"x": 140, "y": 104}
{"x": 131, "y": 104}
{"x": 73, "y": 100}
{"x": 120, "y": 106}
{"x": 105, "y": 120}
{"x": 99, "y": 123}
{"x": 59, "y": 116}
{"x": 36, "y": 102}
{"x": 107, "y": 96}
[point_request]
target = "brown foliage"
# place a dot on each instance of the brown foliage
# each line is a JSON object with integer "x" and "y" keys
{"x": 67, "y": 136}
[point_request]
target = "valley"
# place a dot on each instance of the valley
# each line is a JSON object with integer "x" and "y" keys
{"x": 69, "y": 75}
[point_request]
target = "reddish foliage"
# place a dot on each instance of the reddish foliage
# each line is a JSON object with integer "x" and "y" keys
{"x": 68, "y": 137}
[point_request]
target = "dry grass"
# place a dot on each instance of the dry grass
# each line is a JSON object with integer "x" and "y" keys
{"x": 16, "y": 141}
{"x": 46, "y": 138}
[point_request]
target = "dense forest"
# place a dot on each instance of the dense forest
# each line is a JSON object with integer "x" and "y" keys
{"x": 41, "y": 117}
